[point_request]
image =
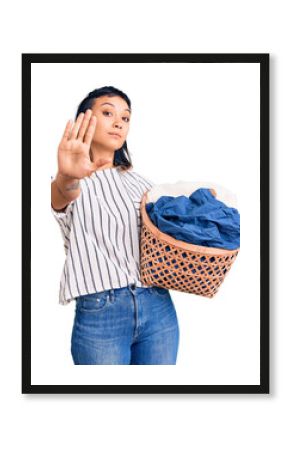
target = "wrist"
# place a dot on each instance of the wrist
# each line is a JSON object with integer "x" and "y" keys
{"x": 67, "y": 187}
{"x": 65, "y": 178}
{"x": 60, "y": 191}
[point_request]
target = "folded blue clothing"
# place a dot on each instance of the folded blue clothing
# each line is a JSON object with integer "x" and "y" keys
{"x": 199, "y": 219}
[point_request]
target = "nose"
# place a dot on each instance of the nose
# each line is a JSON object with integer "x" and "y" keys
{"x": 118, "y": 122}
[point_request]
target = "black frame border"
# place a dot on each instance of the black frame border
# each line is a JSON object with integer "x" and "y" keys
{"x": 261, "y": 58}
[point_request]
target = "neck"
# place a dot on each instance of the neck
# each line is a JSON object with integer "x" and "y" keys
{"x": 105, "y": 154}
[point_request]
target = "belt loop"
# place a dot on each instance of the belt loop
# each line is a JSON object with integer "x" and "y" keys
{"x": 112, "y": 295}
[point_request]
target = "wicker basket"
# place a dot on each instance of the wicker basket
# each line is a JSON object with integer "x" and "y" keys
{"x": 172, "y": 264}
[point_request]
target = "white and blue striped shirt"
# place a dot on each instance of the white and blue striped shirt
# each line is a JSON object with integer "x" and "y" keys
{"x": 101, "y": 233}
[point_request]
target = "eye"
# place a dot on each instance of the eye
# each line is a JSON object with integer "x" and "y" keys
{"x": 127, "y": 119}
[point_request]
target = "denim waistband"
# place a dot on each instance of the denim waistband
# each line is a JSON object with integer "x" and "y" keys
{"x": 113, "y": 292}
{"x": 130, "y": 287}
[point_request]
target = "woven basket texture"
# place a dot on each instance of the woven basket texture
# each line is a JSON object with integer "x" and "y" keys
{"x": 172, "y": 264}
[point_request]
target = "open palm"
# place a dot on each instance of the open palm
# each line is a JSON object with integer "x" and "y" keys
{"x": 74, "y": 149}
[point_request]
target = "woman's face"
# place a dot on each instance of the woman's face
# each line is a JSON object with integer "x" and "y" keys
{"x": 113, "y": 116}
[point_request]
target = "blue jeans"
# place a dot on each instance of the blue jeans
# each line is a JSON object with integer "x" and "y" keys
{"x": 130, "y": 325}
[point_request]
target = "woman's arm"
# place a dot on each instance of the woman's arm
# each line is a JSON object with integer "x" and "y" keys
{"x": 63, "y": 191}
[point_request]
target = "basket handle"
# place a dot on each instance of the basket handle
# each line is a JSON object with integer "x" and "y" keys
{"x": 144, "y": 198}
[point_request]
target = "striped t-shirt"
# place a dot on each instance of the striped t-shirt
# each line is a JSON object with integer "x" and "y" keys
{"x": 101, "y": 234}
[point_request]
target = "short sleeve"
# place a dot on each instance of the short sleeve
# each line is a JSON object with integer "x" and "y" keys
{"x": 63, "y": 217}
{"x": 145, "y": 181}
{"x": 150, "y": 183}
{"x": 64, "y": 220}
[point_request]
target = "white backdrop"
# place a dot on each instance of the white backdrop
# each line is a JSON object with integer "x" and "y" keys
{"x": 203, "y": 421}
{"x": 190, "y": 122}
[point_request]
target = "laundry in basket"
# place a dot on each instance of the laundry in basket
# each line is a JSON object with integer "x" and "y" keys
{"x": 188, "y": 242}
{"x": 199, "y": 219}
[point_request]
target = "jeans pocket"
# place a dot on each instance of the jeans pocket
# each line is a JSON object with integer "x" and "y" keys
{"x": 93, "y": 303}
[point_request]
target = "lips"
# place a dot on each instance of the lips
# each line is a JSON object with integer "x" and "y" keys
{"x": 115, "y": 134}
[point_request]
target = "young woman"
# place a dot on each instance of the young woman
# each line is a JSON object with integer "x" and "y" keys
{"x": 95, "y": 198}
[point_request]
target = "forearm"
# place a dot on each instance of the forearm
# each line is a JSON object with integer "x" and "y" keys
{"x": 63, "y": 191}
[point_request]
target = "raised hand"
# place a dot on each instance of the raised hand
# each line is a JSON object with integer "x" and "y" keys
{"x": 74, "y": 149}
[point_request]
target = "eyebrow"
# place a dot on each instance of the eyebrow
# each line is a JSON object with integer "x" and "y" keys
{"x": 107, "y": 103}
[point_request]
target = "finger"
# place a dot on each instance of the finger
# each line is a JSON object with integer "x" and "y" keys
{"x": 66, "y": 133}
{"x": 85, "y": 124}
{"x": 77, "y": 124}
{"x": 90, "y": 131}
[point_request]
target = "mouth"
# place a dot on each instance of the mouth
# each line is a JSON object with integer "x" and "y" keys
{"x": 116, "y": 135}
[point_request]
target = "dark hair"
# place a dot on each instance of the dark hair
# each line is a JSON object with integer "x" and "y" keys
{"x": 121, "y": 156}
